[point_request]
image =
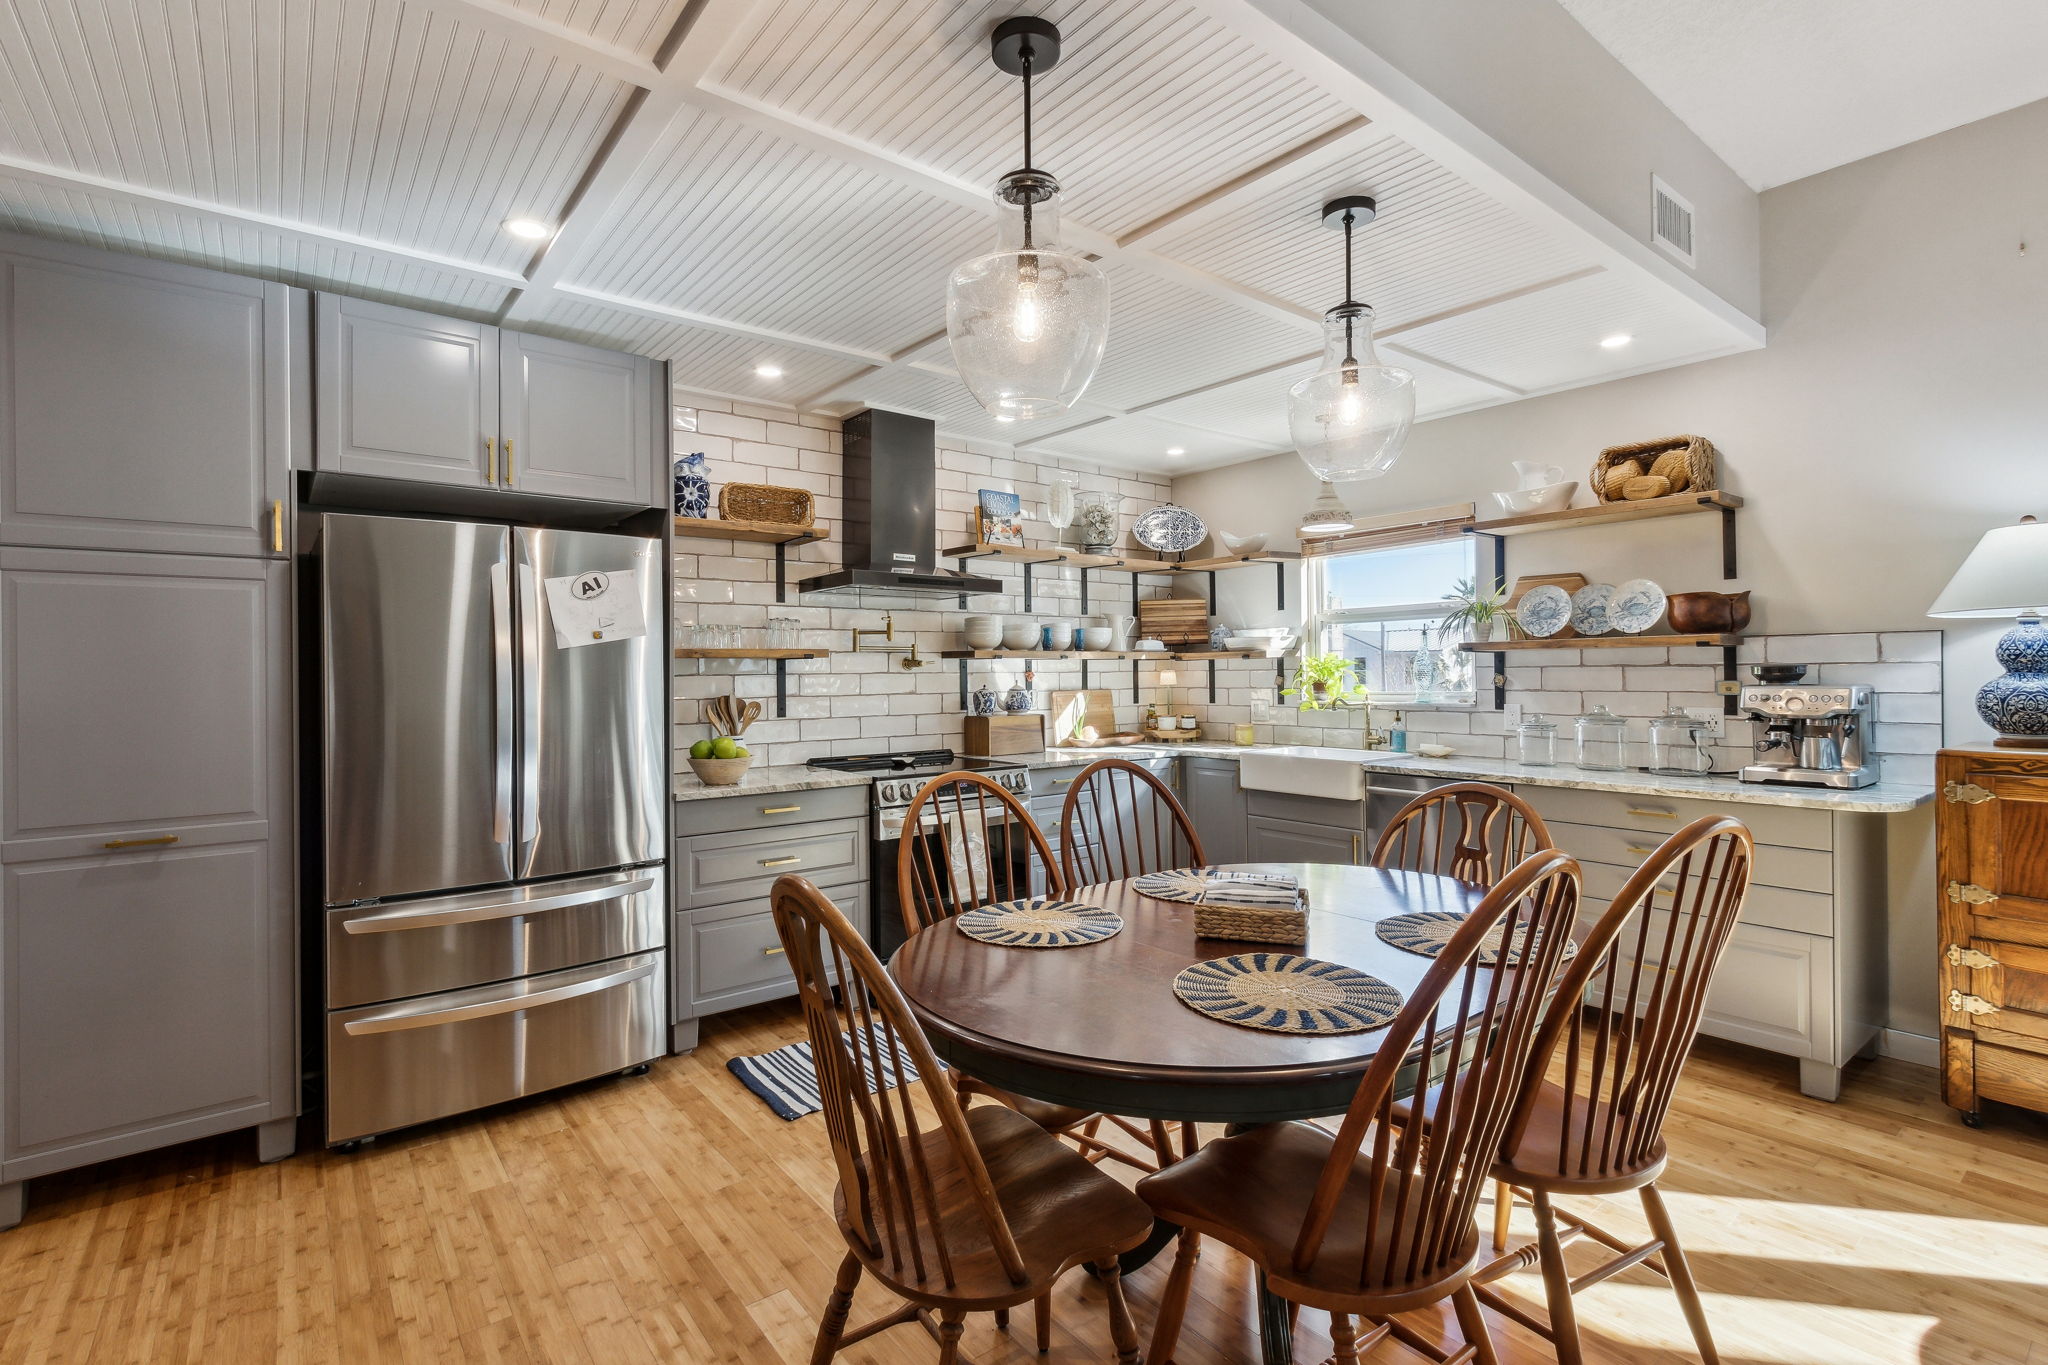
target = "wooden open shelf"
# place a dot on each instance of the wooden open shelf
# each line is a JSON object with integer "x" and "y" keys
{"x": 1236, "y": 561}
{"x": 752, "y": 653}
{"x": 1677, "y": 504}
{"x": 1093, "y": 655}
{"x": 1602, "y": 642}
{"x": 761, "y": 532}
{"x": 1056, "y": 554}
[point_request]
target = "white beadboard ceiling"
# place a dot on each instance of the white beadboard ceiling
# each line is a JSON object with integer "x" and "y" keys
{"x": 787, "y": 181}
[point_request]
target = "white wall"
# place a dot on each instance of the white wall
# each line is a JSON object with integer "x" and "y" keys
{"x": 1900, "y": 409}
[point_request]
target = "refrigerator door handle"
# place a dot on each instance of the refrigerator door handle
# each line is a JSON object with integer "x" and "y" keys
{"x": 399, "y": 1020}
{"x": 389, "y": 921}
{"x": 529, "y": 718}
{"x": 501, "y": 688}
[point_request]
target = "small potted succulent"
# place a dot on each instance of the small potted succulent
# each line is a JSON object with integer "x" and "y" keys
{"x": 1480, "y": 613}
{"x": 1323, "y": 681}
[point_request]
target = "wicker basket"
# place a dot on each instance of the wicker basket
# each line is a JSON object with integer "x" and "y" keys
{"x": 1260, "y": 924}
{"x": 764, "y": 502}
{"x": 1689, "y": 463}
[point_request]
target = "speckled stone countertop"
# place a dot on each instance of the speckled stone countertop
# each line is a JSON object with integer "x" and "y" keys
{"x": 791, "y": 777}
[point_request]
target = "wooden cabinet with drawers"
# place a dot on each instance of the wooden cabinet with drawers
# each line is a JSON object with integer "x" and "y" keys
{"x": 1991, "y": 852}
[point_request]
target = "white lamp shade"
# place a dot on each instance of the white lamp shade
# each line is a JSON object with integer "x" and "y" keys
{"x": 2005, "y": 575}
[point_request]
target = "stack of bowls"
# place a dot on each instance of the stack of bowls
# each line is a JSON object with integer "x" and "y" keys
{"x": 982, "y": 632}
{"x": 1021, "y": 633}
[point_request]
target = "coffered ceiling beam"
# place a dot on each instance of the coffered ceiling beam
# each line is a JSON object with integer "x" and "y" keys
{"x": 548, "y": 36}
{"x": 1344, "y": 133}
{"x": 661, "y": 312}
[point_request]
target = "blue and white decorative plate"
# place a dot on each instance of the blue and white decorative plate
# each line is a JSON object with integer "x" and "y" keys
{"x": 1589, "y": 609}
{"x": 1636, "y": 606}
{"x": 1544, "y": 611}
{"x": 1282, "y": 993}
{"x": 1040, "y": 922}
{"x": 1170, "y": 529}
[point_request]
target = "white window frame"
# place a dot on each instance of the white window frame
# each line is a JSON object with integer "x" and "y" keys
{"x": 1319, "y": 618}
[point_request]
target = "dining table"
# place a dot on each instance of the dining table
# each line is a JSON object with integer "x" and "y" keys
{"x": 1098, "y": 1026}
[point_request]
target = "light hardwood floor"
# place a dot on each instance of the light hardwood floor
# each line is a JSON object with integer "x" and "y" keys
{"x": 673, "y": 1218}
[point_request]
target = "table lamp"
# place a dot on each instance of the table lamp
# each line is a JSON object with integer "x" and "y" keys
{"x": 2007, "y": 575}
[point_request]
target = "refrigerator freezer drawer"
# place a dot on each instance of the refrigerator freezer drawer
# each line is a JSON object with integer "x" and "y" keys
{"x": 443, "y": 943}
{"x": 389, "y": 1066}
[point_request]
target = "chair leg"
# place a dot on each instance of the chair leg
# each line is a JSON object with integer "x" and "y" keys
{"x": 1002, "y": 1319}
{"x": 1042, "y": 1310}
{"x": 1503, "y": 1210}
{"x": 832, "y": 1326}
{"x": 1173, "y": 1303}
{"x": 1122, "y": 1334}
{"x": 1557, "y": 1284}
{"x": 1472, "y": 1323}
{"x": 1344, "y": 1338}
{"x": 1680, "y": 1271}
{"x": 949, "y": 1336}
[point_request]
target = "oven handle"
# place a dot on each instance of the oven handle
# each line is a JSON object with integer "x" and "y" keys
{"x": 400, "y": 1021}
{"x": 391, "y": 921}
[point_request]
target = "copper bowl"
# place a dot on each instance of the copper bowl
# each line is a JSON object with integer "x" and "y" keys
{"x": 1708, "y": 613}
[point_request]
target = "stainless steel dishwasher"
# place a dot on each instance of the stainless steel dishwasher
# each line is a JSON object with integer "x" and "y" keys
{"x": 1386, "y": 793}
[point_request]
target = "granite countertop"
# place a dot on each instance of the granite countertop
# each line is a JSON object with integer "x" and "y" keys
{"x": 789, "y": 777}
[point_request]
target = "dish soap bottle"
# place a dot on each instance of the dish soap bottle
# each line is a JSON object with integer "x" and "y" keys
{"x": 1397, "y": 736}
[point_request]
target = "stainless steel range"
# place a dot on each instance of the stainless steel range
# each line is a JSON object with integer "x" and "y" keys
{"x": 898, "y": 777}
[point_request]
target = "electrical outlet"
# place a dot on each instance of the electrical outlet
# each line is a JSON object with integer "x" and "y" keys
{"x": 1511, "y": 714}
{"x": 1710, "y": 718}
{"x": 1262, "y": 709}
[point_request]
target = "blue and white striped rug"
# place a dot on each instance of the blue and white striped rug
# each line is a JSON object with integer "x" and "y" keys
{"x": 786, "y": 1079}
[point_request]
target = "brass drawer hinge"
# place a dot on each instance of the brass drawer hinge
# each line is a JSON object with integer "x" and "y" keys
{"x": 1967, "y": 793}
{"x": 1958, "y": 1003}
{"x": 1959, "y": 956}
{"x": 1968, "y": 893}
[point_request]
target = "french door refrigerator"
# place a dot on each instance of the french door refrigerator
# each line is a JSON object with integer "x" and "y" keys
{"x": 493, "y": 809}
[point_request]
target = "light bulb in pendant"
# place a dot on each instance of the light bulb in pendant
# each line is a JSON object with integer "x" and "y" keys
{"x": 1028, "y": 320}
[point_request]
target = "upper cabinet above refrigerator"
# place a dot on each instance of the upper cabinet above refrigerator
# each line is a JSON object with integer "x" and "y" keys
{"x": 411, "y": 395}
{"x": 144, "y": 405}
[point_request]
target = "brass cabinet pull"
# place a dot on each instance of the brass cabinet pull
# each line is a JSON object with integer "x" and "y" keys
{"x": 1638, "y": 850}
{"x": 1965, "y": 893}
{"x": 157, "y": 842}
{"x": 490, "y": 459}
{"x": 1966, "y": 793}
{"x": 1653, "y": 814}
{"x": 773, "y": 952}
{"x": 1959, "y": 956}
{"x": 780, "y": 810}
{"x": 276, "y": 526}
{"x": 1959, "y": 1003}
{"x": 1357, "y": 847}
{"x": 780, "y": 862}
{"x": 508, "y": 462}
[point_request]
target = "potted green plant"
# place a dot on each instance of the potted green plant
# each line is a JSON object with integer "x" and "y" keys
{"x": 1481, "y": 612}
{"x": 1325, "y": 680}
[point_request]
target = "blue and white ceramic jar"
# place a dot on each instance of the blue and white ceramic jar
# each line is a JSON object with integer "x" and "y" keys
{"x": 693, "y": 490}
{"x": 2016, "y": 703}
{"x": 985, "y": 703}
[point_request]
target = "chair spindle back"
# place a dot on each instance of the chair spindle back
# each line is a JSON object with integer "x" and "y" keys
{"x": 967, "y": 842}
{"x": 1121, "y": 821}
{"x": 1473, "y": 831}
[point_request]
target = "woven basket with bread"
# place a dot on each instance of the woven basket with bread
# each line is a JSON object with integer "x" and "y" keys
{"x": 1656, "y": 469}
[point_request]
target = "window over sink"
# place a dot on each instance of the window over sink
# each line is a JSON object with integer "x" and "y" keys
{"x": 1383, "y": 609}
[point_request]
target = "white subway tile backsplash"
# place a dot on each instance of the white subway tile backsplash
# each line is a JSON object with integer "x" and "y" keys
{"x": 1922, "y": 677}
{"x": 1821, "y": 649}
{"x": 1910, "y": 646}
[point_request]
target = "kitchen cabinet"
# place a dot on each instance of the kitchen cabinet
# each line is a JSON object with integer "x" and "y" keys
{"x": 1216, "y": 804}
{"x": 149, "y": 406}
{"x": 1284, "y": 828}
{"x": 146, "y": 855}
{"x": 411, "y": 395}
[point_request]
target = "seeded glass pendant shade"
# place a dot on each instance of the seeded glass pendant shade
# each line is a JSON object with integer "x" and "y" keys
{"x": 1350, "y": 418}
{"x": 1027, "y": 321}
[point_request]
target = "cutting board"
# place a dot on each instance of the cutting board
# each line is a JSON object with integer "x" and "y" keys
{"x": 1077, "y": 711}
{"x": 1175, "y": 620}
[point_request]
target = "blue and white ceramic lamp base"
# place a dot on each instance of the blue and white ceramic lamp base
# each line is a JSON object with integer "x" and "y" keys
{"x": 2015, "y": 704}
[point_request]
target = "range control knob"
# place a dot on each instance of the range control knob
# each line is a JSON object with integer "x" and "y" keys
{"x": 887, "y": 791}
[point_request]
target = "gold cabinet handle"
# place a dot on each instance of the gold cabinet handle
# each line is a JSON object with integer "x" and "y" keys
{"x": 508, "y": 462}
{"x": 1653, "y": 814}
{"x": 1638, "y": 850}
{"x": 773, "y": 952}
{"x": 1357, "y": 847}
{"x": 780, "y": 862}
{"x": 490, "y": 459}
{"x": 780, "y": 810}
{"x": 276, "y": 526}
{"x": 157, "y": 842}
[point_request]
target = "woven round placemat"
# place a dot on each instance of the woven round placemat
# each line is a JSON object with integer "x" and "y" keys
{"x": 1040, "y": 922}
{"x": 1187, "y": 884}
{"x": 1281, "y": 993}
{"x": 1426, "y": 932}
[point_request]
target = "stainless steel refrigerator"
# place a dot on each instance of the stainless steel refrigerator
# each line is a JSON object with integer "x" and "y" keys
{"x": 493, "y": 799}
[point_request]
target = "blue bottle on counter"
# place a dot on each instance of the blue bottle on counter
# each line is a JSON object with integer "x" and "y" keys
{"x": 1397, "y": 736}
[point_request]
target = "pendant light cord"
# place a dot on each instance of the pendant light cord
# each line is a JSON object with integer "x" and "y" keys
{"x": 1350, "y": 347}
{"x": 1024, "y": 59}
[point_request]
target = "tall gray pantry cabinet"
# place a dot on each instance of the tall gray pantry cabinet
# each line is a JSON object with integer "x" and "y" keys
{"x": 147, "y": 829}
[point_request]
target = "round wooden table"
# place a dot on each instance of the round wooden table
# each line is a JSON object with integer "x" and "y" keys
{"x": 1099, "y": 1026}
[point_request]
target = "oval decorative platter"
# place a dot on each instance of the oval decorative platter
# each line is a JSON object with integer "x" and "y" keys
{"x": 1589, "y": 609}
{"x": 1170, "y": 529}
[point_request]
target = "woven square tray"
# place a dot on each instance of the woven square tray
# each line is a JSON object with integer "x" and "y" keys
{"x": 1252, "y": 924}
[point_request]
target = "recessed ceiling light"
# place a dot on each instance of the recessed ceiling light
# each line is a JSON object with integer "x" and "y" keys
{"x": 1004, "y": 417}
{"x": 532, "y": 229}
{"x": 1176, "y": 450}
{"x": 768, "y": 369}
{"x": 1617, "y": 341}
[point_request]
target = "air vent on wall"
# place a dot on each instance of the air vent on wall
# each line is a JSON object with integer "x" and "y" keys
{"x": 1670, "y": 221}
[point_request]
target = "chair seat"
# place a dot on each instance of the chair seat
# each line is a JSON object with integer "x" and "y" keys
{"x": 1550, "y": 1153}
{"x": 1252, "y": 1192}
{"x": 1054, "y": 1118}
{"x": 1062, "y": 1211}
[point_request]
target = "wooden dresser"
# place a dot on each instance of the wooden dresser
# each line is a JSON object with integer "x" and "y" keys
{"x": 1992, "y": 872}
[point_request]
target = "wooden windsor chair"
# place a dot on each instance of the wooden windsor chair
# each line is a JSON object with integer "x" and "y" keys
{"x": 1473, "y": 831}
{"x": 1378, "y": 1218}
{"x": 1118, "y": 821}
{"x": 980, "y": 1213}
{"x": 1591, "y": 1121}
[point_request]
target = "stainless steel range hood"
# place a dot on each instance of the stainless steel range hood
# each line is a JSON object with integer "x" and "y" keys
{"x": 890, "y": 525}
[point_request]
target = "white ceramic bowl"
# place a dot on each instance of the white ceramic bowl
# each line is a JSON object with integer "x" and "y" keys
{"x": 1151, "y": 646}
{"x": 1242, "y": 545}
{"x": 1265, "y": 631}
{"x": 982, "y": 632}
{"x": 1023, "y": 634}
{"x": 1096, "y": 637}
{"x": 1553, "y": 497}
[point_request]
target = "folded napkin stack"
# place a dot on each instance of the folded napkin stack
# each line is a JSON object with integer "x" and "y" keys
{"x": 1261, "y": 907}
{"x": 1256, "y": 889}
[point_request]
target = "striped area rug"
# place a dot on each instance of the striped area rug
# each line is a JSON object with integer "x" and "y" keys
{"x": 786, "y": 1080}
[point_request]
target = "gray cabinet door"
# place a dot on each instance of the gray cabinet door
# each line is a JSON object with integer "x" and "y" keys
{"x": 1270, "y": 839}
{"x": 143, "y": 405}
{"x": 1216, "y": 804}
{"x": 577, "y": 422}
{"x": 146, "y": 853}
{"x": 404, "y": 394}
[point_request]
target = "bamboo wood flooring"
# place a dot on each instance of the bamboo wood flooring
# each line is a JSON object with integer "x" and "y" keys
{"x": 673, "y": 1218}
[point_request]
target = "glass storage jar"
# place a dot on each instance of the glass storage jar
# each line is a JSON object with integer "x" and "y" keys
{"x": 1678, "y": 745}
{"x": 1536, "y": 742}
{"x": 1603, "y": 741}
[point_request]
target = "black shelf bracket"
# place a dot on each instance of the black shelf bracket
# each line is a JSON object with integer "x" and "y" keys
{"x": 1084, "y": 675}
{"x": 1729, "y": 696}
{"x": 1212, "y": 682}
{"x": 781, "y": 573}
{"x": 781, "y": 688}
{"x": 1084, "y": 602}
{"x": 1280, "y": 583}
{"x": 961, "y": 565}
{"x": 1728, "y": 544}
{"x": 1134, "y": 680}
{"x": 1279, "y": 679}
{"x": 1027, "y": 585}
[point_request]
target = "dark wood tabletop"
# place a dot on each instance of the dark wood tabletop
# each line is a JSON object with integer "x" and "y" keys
{"x": 1099, "y": 1026}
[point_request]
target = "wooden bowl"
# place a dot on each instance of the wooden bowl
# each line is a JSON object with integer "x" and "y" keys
{"x": 1708, "y": 613}
{"x": 721, "y": 772}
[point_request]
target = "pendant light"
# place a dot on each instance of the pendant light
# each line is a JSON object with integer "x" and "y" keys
{"x": 1350, "y": 418}
{"x": 1027, "y": 321}
{"x": 1327, "y": 515}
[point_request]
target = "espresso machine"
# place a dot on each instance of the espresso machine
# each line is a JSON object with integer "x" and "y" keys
{"x": 1813, "y": 736}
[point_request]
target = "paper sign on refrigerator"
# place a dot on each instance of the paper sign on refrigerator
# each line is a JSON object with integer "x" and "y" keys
{"x": 592, "y": 607}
